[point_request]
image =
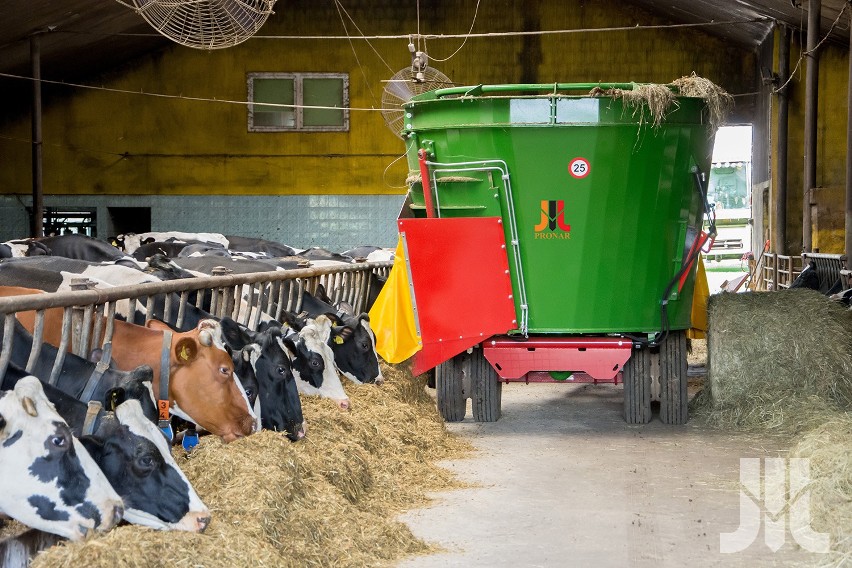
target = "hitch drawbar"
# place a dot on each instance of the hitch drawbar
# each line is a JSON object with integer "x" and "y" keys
{"x": 601, "y": 358}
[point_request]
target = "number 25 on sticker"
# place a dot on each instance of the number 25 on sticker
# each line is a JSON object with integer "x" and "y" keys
{"x": 579, "y": 168}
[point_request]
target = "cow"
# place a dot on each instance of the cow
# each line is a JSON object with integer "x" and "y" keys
{"x": 85, "y": 379}
{"x": 170, "y": 250}
{"x": 129, "y": 242}
{"x": 50, "y": 482}
{"x": 269, "y": 354}
{"x": 370, "y": 253}
{"x": 81, "y": 247}
{"x": 258, "y": 246}
{"x": 351, "y": 340}
{"x": 135, "y": 458}
{"x": 23, "y": 247}
{"x": 202, "y": 386}
{"x": 313, "y": 360}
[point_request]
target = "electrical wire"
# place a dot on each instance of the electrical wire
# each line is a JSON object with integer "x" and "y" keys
{"x": 355, "y": 54}
{"x": 365, "y": 38}
{"x": 475, "y": 12}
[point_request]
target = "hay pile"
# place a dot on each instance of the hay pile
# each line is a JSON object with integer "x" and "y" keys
{"x": 829, "y": 449}
{"x": 781, "y": 363}
{"x": 778, "y": 361}
{"x": 329, "y": 500}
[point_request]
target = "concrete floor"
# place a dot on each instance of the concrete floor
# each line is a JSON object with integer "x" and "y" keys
{"x": 562, "y": 480}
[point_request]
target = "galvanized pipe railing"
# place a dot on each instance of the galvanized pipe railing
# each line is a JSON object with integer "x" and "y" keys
{"x": 88, "y": 314}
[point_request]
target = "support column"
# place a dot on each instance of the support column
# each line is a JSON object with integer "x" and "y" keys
{"x": 811, "y": 92}
{"x": 780, "y": 233}
{"x": 37, "y": 219}
{"x": 848, "y": 248}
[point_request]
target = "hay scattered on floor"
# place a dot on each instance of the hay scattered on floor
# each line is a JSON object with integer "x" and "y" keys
{"x": 778, "y": 361}
{"x": 829, "y": 449}
{"x": 329, "y": 500}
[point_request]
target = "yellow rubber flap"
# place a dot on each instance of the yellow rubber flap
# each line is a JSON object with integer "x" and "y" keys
{"x": 392, "y": 315}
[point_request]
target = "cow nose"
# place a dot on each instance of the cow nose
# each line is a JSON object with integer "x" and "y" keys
{"x": 117, "y": 514}
{"x": 343, "y": 404}
{"x": 380, "y": 380}
{"x": 203, "y": 522}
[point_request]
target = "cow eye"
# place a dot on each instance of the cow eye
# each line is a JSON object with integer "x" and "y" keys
{"x": 249, "y": 393}
{"x": 281, "y": 369}
{"x": 145, "y": 462}
{"x": 365, "y": 346}
{"x": 225, "y": 371}
{"x": 315, "y": 364}
{"x": 59, "y": 441}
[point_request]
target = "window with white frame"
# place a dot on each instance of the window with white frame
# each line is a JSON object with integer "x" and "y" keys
{"x": 313, "y": 102}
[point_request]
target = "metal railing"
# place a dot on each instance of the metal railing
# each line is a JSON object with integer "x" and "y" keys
{"x": 89, "y": 313}
{"x": 778, "y": 272}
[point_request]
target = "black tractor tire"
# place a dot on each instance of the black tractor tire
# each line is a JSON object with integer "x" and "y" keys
{"x": 449, "y": 388}
{"x": 487, "y": 395}
{"x": 637, "y": 387}
{"x": 673, "y": 379}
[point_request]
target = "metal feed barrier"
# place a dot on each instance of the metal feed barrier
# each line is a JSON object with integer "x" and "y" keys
{"x": 778, "y": 271}
{"x": 243, "y": 297}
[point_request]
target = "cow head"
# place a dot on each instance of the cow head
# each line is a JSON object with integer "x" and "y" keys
{"x": 354, "y": 347}
{"x": 135, "y": 385}
{"x": 203, "y": 386}
{"x": 269, "y": 357}
{"x": 56, "y": 486}
{"x": 313, "y": 361}
{"x": 136, "y": 459}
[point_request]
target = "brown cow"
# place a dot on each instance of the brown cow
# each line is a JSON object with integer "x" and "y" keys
{"x": 202, "y": 385}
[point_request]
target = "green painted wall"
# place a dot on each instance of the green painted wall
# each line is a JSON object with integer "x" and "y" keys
{"x": 111, "y": 143}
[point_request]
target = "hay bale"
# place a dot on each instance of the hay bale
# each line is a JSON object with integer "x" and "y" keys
{"x": 827, "y": 446}
{"x": 778, "y": 361}
{"x": 329, "y": 500}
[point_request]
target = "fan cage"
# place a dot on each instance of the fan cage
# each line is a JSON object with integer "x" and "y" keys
{"x": 205, "y": 24}
{"x": 402, "y": 87}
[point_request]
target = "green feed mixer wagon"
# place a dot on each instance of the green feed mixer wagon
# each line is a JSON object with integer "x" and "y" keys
{"x": 551, "y": 233}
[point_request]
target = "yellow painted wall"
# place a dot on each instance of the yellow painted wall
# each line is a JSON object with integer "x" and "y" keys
{"x": 828, "y": 225}
{"x": 101, "y": 142}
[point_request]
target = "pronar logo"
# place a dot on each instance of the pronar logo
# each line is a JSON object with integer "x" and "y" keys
{"x": 552, "y": 224}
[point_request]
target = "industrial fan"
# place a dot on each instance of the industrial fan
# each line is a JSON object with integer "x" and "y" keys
{"x": 204, "y": 24}
{"x": 408, "y": 83}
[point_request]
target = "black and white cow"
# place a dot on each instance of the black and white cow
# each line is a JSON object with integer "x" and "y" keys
{"x": 269, "y": 355}
{"x": 23, "y": 247}
{"x": 351, "y": 339}
{"x": 81, "y": 247}
{"x": 135, "y": 458}
{"x": 75, "y": 373}
{"x": 258, "y": 246}
{"x": 50, "y": 482}
{"x": 313, "y": 361}
{"x": 129, "y": 242}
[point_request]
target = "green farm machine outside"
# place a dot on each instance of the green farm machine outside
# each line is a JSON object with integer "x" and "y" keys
{"x": 553, "y": 236}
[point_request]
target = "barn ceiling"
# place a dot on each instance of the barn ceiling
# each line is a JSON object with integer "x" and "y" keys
{"x": 87, "y": 37}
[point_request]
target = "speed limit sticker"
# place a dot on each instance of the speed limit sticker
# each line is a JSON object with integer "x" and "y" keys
{"x": 579, "y": 168}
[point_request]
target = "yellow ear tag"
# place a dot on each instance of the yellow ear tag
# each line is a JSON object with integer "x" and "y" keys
{"x": 338, "y": 340}
{"x": 184, "y": 353}
{"x": 112, "y": 401}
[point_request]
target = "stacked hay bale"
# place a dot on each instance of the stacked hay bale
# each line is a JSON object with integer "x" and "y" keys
{"x": 329, "y": 500}
{"x": 781, "y": 363}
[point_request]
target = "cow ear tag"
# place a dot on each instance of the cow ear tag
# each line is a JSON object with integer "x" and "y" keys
{"x": 113, "y": 400}
{"x": 338, "y": 339}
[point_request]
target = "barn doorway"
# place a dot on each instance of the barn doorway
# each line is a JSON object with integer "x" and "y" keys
{"x": 68, "y": 221}
{"x": 129, "y": 220}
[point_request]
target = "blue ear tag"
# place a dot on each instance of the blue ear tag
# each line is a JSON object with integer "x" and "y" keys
{"x": 166, "y": 429}
{"x": 190, "y": 439}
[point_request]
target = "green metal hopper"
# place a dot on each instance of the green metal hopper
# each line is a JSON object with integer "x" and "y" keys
{"x": 601, "y": 208}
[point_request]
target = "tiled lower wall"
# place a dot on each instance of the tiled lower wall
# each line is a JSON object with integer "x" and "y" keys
{"x": 335, "y": 222}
